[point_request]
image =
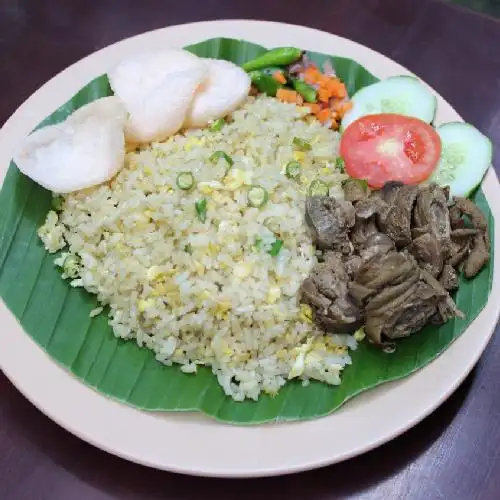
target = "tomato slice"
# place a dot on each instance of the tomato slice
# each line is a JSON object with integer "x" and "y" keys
{"x": 389, "y": 147}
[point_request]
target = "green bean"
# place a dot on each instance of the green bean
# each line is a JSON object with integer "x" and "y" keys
{"x": 280, "y": 56}
{"x": 306, "y": 91}
{"x": 265, "y": 83}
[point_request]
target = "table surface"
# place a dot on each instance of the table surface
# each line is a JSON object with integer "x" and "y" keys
{"x": 454, "y": 453}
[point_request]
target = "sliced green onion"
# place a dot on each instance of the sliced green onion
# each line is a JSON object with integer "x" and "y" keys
{"x": 201, "y": 209}
{"x": 217, "y": 125}
{"x": 257, "y": 244}
{"x": 275, "y": 248}
{"x": 293, "y": 169}
{"x": 71, "y": 266}
{"x": 188, "y": 248}
{"x": 301, "y": 144}
{"x": 185, "y": 181}
{"x": 318, "y": 188}
{"x": 257, "y": 196}
{"x": 340, "y": 164}
{"x": 57, "y": 203}
{"x": 215, "y": 157}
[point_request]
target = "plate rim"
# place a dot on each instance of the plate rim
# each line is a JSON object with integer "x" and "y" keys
{"x": 275, "y": 437}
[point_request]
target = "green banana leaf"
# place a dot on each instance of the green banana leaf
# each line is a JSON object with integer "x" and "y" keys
{"x": 56, "y": 316}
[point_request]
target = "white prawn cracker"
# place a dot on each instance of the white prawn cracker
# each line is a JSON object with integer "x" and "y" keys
{"x": 157, "y": 89}
{"x": 87, "y": 149}
{"x": 224, "y": 90}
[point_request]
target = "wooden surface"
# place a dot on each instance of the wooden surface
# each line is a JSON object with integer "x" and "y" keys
{"x": 453, "y": 454}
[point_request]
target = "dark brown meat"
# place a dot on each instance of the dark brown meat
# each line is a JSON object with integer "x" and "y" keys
{"x": 352, "y": 263}
{"x": 326, "y": 290}
{"x": 478, "y": 256}
{"x": 370, "y": 207}
{"x": 377, "y": 243}
{"x": 449, "y": 278}
{"x": 331, "y": 221}
{"x": 362, "y": 230}
{"x": 458, "y": 252}
{"x": 467, "y": 207}
{"x": 431, "y": 211}
{"x": 427, "y": 250}
{"x": 399, "y": 298}
{"x": 355, "y": 190}
{"x": 397, "y": 221}
{"x": 456, "y": 220}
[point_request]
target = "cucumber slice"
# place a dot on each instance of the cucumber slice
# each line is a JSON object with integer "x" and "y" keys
{"x": 403, "y": 95}
{"x": 466, "y": 155}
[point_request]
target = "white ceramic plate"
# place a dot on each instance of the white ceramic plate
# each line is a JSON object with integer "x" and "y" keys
{"x": 191, "y": 443}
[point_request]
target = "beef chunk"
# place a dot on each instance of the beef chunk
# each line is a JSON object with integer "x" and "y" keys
{"x": 431, "y": 211}
{"x": 326, "y": 290}
{"x": 397, "y": 221}
{"x": 427, "y": 250}
{"x": 330, "y": 220}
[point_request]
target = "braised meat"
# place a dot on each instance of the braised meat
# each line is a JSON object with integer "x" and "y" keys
{"x": 390, "y": 258}
{"x": 330, "y": 221}
{"x": 326, "y": 290}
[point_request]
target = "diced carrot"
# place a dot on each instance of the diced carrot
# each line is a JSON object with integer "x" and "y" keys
{"x": 323, "y": 94}
{"x": 311, "y": 75}
{"x": 287, "y": 95}
{"x": 341, "y": 91}
{"x": 314, "y": 107}
{"x": 279, "y": 77}
{"x": 324, "y": 115}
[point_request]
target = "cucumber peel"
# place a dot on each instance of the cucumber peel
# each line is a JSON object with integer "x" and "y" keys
{"x": 466, "y": 155}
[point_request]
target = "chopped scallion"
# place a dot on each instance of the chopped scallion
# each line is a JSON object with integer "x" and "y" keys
{"x": 201, "y": 209}
{"x": 275, "y": 248}
{"x": 301, "y": 144}
{"x": 318, "y": 188}
{"x": 216, "y": 125}
{"x": 217, "y": 155}
{"x": 257, "y": 196}
{"x": 293, "y": 170}
{"x": 185, "y": 181}
{"x": 339, "y": 163}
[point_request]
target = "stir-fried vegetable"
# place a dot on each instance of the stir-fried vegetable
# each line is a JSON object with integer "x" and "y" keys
{"x": 280, "y": 56}
{"x": 301, "y": 144}
{"x": 265, "y": 83}
{"x": 305, "y": 90}
{"x": 185, "y": 181}
{"x": 201, "y": 209}
{"x": 216, "y": 125}
{"x": 257, "y": 196}
{"x": 291, "y": 96}
{"x": 275, "y": 248}
{"x": 293, "y": 170}
{"x": 318, "y": 188}
{"x": 217, "y": 155}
